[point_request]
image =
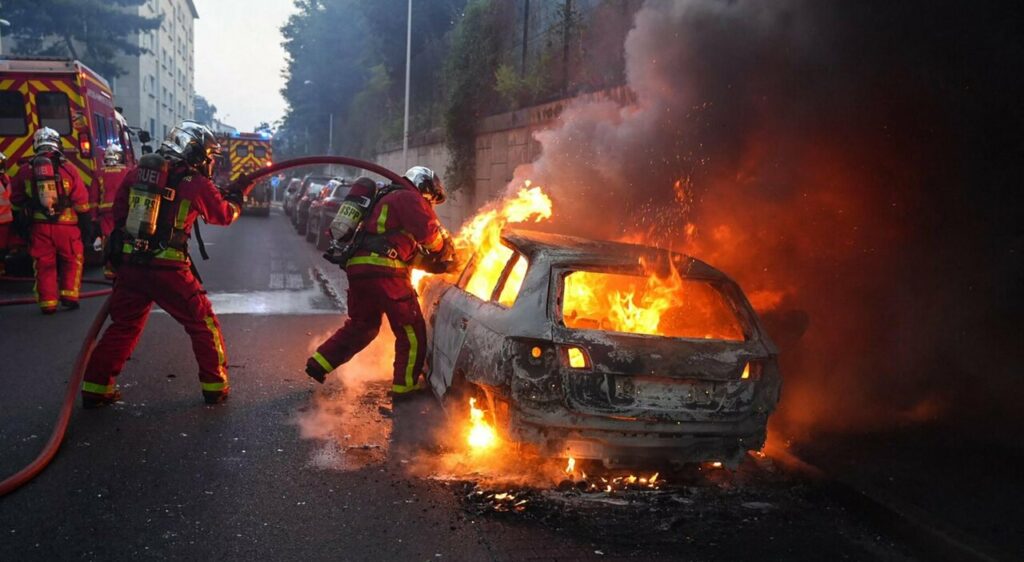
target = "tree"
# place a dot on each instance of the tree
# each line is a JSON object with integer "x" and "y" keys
{"x": 92, "y": 31}
{"x": 470, "y": 67}
{"x": 206, "y": 112}
{"x": 264, "y": 127}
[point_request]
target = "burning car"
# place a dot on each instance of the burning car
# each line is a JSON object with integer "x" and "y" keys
{"x": 602, "y": 350}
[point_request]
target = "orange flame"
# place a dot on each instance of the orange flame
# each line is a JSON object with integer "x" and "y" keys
{"x": 481, "y": 435}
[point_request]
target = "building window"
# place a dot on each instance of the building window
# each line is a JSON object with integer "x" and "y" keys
{"x": 152, "y": 127}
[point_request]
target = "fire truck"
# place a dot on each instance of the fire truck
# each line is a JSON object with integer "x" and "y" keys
{"x": 69, "y": 97}
{"x": 244, "y": 153}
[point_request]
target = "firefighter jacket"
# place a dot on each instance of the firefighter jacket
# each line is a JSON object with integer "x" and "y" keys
{"x": 194, "y": 196}
{"x": 407, "y": 222}
{"x": 23, "y": 194}
{"x": 6, "y": 214}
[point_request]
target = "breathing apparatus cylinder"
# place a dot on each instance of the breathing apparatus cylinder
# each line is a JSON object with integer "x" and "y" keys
{"x": 144, "y": 196}
{"x": 45, "y": 180}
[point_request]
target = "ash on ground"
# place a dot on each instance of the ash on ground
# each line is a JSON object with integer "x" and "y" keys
{"x": 706, "y": 510}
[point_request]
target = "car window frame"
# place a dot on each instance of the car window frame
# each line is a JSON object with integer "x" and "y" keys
{"x": 499, "y": 285}
{"x": 729, "y": 291}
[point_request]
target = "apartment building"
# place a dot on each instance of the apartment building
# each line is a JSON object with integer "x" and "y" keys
{"x": 157, "y": 91}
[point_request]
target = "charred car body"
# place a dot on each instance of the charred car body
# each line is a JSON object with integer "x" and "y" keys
{"x": 557, "y": 375}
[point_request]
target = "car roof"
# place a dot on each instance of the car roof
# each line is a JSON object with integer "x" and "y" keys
{"x": 563, "y": 249}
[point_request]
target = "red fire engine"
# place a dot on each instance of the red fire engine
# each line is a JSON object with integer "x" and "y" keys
{"x": 68, "y": 97}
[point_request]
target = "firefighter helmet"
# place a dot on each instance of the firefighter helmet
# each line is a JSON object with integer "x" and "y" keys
{"x": 113, "y": 155}
{"x": 46, "y": 140}
{"x": 193, "y": 144}
{"x": 428, "y": 182}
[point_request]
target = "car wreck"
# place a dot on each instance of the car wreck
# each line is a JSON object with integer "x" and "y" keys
{"x": 601, "y": 350}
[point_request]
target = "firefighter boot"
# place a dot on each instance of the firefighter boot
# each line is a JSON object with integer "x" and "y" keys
{"x": 315, "y": 370}
{"x": 215, "y": 396}
{"x": 92, "y": 401}
{"x": 69, "y": 304}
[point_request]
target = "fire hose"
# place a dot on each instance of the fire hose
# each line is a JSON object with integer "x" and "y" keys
{"x": 30, "y": 471}
{"x": 32, "y": 300}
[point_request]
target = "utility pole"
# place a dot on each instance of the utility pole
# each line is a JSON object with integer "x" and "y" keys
{"x": 3, "y": 24}
{"x": 330, "y": 135}
{"x": 566, "y": 31}
{"x": 526, "y": 35}
{"x": 408, "y": 64}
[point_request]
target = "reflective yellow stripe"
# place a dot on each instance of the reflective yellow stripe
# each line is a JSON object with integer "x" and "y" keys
{"x": 323, "y": 362}
{"x": 66, "y": 293}
{"x": 47, "y": 304}
{"x": 375, "y": 260}
{"x": 212, "y": 326}
{"x": 383, "y": 218}
{"x": 183, "y": 207}
{"x": 169, "y": 254}
{"x": 214, "y": 386}
{"x": 97, "y": 388}
{"x": 413, "y": 350}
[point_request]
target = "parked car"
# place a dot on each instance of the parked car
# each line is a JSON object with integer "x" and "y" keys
{"x": 288, "y": 202}
{"x": 322, "y": 211}
{"x": 560, "y": 376}
{"x": 301, "y": 216}
{"x": 307, "y": 181}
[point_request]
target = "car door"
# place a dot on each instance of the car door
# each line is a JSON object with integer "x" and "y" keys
{"x": 463, "y": 318}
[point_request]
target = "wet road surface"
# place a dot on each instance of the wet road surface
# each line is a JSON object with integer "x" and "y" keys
{"x": 291, "y": 470}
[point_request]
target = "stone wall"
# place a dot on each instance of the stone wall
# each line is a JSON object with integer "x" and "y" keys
{"x": 503, "y": 142}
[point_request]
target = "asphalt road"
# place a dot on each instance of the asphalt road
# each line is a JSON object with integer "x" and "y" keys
{"x": 289, "y": 470}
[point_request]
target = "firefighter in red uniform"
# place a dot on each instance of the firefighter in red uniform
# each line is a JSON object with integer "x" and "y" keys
{"x": 388, "y": 229}
{"x": 155, "y": 210}
{"x": 50, "y": 189}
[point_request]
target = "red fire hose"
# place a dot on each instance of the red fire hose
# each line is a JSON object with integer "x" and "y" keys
{"x": 19, "y": 478}
{"x": 32, "y": 300}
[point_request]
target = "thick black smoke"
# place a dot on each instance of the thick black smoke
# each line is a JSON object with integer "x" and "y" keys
{"x": 854, "y": 165}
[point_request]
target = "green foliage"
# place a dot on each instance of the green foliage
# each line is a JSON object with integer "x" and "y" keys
{"x": 347, "y": 58}
{"x": 206, "y": 112}
{"x": 92, "y": 31}
{"x": 517, "y": 90}
{"x": 472, "y": 60}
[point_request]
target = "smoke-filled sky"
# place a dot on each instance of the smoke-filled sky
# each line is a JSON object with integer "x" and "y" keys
{"x": 855, "y": 166}
{"x": 239, "y": 58}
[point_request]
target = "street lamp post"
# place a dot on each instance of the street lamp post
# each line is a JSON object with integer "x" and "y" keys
{"x": 408, "y": 59}
{"x": 3, "y": 23}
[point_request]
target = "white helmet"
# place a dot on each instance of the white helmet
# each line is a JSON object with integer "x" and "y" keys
{"x": 113, "y": 155}
{"x": 46, "y": 140}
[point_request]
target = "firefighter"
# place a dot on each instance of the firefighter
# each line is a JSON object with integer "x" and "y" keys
{"x": 6, "y": 214}
{"x": 51, "y": 197}
{"x": 387, "y": 228}
{"x": 113, "y": 159}
{"x": 155, "y": 209}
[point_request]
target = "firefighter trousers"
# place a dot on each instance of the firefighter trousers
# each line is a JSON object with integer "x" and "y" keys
{"x": 368, "y": 299}
{"x": 50, "y": 244}
{"x": 180, "y": 295}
